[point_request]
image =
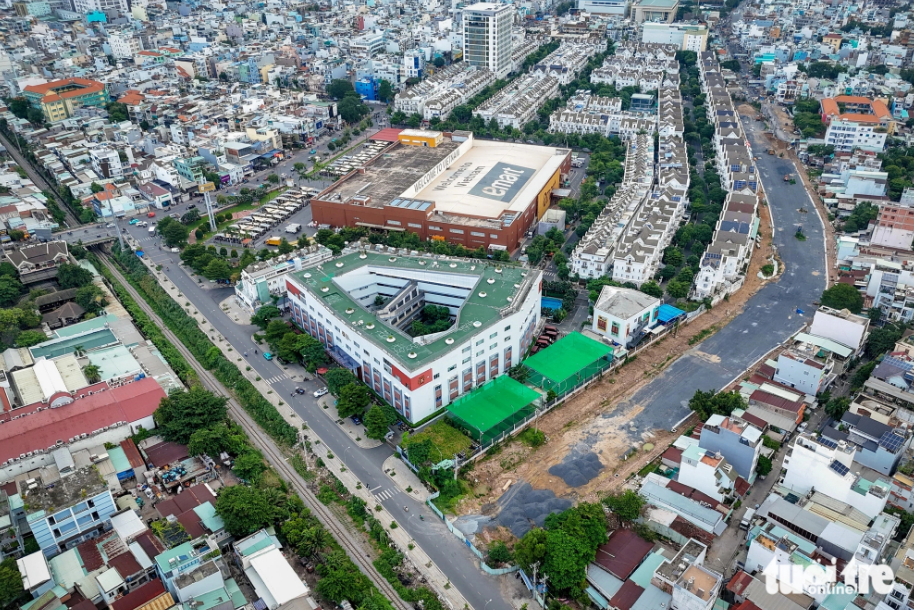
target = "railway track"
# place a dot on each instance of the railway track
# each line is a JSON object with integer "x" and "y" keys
{"x": 39, "y": 180}
{"x": 272, "y": 453}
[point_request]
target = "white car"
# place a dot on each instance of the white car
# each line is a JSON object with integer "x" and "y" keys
{"x": 320, "y": 392}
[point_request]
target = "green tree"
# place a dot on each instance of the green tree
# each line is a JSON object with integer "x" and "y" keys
{"x": 354, "y": 399}
{"x": 263, "y": 316}
{"x": 352, "y": 109}
{"x": 249, "y": 465}
{"x": 531, "y": 549}
{"x": 93, "y": 373}
{"x": 28, "y": 338}
{"x": 677, "y": 289}
{"x": 10, "y": 583}
{"x": 218, "y": 269}
{"x": 862, "y": 374}
{"x": 883, "y": 339}
{"x": 376, "y": 425}
{"x": 419, "y": 452}
{"x": 712, "y": 402}
{"x": 652, "y": 289}
{"x": 338, "y": 378}
{"x": 566, "y": 561}
{"x": 842, "y": 296}
{"x": 439, "y": 62}
{"x": 8, "y": 269}
{"x": 763, "y": 466}
{"x": 414, "y": 120}
{"x": 837, "y": 407}
{"x": 672, "y": 256}
{"x": 10, "y": 291}
{"x": 214, "y": 440}
{"x": 312, "y": 353}
{"x": 117, "y": 112}
{"x": 338, "y": 88}
{"x": 73, "y": 276}
{"x": 173, "y": 233}
{"x": 91, "y": 298}
{"x": 385, "y": 91}
{"x": 96, "y": 187}
{"x": 499, "y": 553}
{"x": 627, "y": 504}
{"x": 273, "y": 179}
{"x": 244, "y": 510}
{"x": 181, "y": 414}
{"x": 285, "y": 247}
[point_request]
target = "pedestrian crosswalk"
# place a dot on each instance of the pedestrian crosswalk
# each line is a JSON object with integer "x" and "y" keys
{"x": 386, "y": 494}
{"x": 276, "y": 378}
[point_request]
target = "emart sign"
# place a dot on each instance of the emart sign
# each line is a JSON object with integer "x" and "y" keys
{"x": 503, "y": 182}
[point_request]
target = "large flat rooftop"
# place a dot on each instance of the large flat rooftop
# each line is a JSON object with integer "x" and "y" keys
{"x": 388, "y": 176}
{"x": 493, "y": 178}
{"x": 500, "y": 284}
{"x": 487, "y": 180}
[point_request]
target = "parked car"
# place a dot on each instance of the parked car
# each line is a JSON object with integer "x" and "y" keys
{"x": 268, "y": 356}
{"x": 151, "y": 215}
{"x": 133, "y": 221}
{"x": 320, "y": 392}
{"x": 299, "y": 391}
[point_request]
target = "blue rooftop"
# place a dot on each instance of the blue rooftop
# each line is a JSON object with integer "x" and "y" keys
{"x": 668, "y": 312}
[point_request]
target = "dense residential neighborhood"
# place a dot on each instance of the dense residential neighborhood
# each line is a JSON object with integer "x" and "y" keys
{"x": 382, "y": 305}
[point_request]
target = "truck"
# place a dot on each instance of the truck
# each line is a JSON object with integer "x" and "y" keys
{"x": 293, "y": 228}
{"x": 273, "y": 241}
{"x": 747, "y": 519}
{"x": 152, "y": 229}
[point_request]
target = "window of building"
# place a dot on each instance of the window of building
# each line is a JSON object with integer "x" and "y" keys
{"x": 451, "y": 368}
{"x": 493, "y": 335}
{"x": 458, "y": 231}
{"x": 413, "y": 225}
{"x": 477, "y": 234}
{"x": 467, "y": 348}
{"x": 394, "y": 222}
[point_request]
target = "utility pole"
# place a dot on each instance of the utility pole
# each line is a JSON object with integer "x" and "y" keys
{"x": 117, "y": 227}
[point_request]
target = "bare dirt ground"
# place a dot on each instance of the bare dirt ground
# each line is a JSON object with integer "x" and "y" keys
{"x": 594, "y": 409}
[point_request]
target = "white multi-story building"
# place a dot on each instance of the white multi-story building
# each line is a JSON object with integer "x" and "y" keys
{"x": 846, "y": 135}
{"x": 109, "y": 7}
{"x": 688, "y": 37}
{"x": 708, "y": 472}
{"x": 827, "y": 466}
{"x": 124, "y": 45}
{"x": 440, "y": 93}
{"x": 362, "y": 310}
{"x": 517, "y": 103}
{"x": 106, "y": 162}
{"x": 568, "y": 60}
{"x": 260, "y": 282}
{"x": 487, "y": 41}
{"x": 604, "y": 7}
{"x": 367, "y": 45}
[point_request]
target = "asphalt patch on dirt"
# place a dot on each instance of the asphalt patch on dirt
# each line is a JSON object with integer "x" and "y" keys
{"x": 522, "y": 507}
{"x": 577, "y": 468}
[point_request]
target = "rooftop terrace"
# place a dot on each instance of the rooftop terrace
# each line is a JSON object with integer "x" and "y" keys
{"x": 64, "y": 492}
{"x": 496, "y": 291}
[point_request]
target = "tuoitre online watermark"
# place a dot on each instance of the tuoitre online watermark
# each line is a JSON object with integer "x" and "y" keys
{"x": 821, "y": 579}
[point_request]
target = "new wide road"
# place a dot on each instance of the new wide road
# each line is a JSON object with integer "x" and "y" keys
{"x": 769, "y": 317}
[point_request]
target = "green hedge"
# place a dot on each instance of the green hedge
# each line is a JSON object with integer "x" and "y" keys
{"x": 199, "y": 344}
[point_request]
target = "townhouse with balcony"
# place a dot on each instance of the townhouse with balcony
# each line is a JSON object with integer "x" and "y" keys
{"x": 517, "y": 103}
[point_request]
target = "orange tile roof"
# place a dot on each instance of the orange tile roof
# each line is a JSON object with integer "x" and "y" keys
{"x": 150, "y": 53}
{"x": 880, "y": 109}
{"x": 829, "y": 107}
{"x": 132, "y": 98}
{"x": 170, "y": 49}
{"x": 852, "y": 99}
{"x": 832, "y": 36}
{"x": 50, "y": 95}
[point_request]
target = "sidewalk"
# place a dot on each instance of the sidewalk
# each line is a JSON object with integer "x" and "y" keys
{"x": 327, "y": 402}
{"x": 436, "y": 580}
{"x": 403, "y": 476}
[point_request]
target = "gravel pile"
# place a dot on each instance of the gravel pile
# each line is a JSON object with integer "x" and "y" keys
{"x": 522, "y": 507}
{"x": 577, "y": 468}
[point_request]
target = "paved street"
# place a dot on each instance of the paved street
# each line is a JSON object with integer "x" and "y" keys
{"x": 769, "y": 317}
{"x": 448, "y": 553}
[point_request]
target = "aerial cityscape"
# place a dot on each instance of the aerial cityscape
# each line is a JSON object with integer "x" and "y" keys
{"x": 394, "y": 305}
